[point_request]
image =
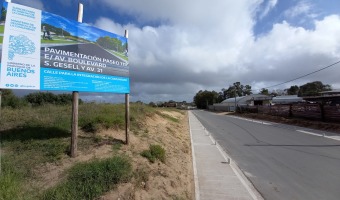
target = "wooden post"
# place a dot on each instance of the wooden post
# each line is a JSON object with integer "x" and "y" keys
{"x": 0, "y": 102}
{"x": 322, "y": 111}
{"x": 127, "y": 118}
{"x": 127, "y": 108}
{"x": 75, "y": 103}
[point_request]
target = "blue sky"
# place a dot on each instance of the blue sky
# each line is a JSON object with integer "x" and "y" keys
{"x": 297, "y": 13}
{"x": 177, "y": 48}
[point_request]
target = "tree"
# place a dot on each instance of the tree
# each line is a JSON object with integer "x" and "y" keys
{"x": 204, "y": 98}
{"x": 9, "y": 99}
{"x": 313, "y": 89}
{"x": 152, "y": 104}
{"x": 293, "y": 90}
{"x": 41, "y": 98}
{"x": 236, "y": 89}
{"x": 264, "y": 91}
{"x": 247, "y": 90}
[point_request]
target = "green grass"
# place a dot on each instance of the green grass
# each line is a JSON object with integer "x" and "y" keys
{"x": 57, "y": 41}
{"x": 168, "y": 117}
{"x": 154, "y": 152}
{"x": 92, "y": 179}
{"x": 34, "y": 136}
{"x": 120, "y": 55}
{"x": 2, "y": 29}
{"x": 11, "y": 181}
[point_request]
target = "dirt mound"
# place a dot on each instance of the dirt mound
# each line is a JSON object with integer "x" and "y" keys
{"x": 170, "y": 180}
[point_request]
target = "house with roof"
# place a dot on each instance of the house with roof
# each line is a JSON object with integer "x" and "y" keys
{"x": 328, "y": 97}
{"x": 287, "y": 99}
{"x": 230, "y": 104}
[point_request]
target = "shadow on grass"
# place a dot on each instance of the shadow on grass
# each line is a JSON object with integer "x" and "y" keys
{"x": 31, "y": 133}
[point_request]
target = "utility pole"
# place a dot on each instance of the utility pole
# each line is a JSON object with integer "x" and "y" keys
{"x": 235, "y": 98}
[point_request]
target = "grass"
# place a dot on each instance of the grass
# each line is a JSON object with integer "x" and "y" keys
{"x": 57, "y": 41}
{"x": 11, "y": 181}
{"x": 168, "y": 117}
{"x": 33, "y": 136}
{"x": 121, "y": 55}
{"x": 92, "y": 179}
{"x": 154, "y": 152}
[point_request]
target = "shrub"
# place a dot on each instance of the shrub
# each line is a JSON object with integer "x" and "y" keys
{"x": 154, "y": 152}
{"x": 92, "y": 179}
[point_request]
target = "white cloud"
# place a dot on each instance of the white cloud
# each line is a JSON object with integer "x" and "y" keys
{"x": 211, "y": 45}
{"x": 304, "y": 7}
{"x": 269, "y": 6}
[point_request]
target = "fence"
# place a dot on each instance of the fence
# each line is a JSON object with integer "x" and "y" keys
{"x": 308, "y": 111}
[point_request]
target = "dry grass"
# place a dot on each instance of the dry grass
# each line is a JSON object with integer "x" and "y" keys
{"x": 35, "y": 142}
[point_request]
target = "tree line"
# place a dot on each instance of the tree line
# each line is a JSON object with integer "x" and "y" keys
{"x": 9, "y": 99}
{"x": 204, "y": 98}
{"x": 112, "y": 44}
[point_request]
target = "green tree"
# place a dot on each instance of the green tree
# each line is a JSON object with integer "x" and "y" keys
{"x": 3, "y": 14}
{"x": 293, "y": 90}
{"x": 41, "y": 98}
{"x": 264, "y": 91}
{"x": 111, "y": 43}
{"x": 313, "y": 89}
{"x": 204, "y": 98}
{"x": 9, "y": 99}
{"x": 236, "y": 89}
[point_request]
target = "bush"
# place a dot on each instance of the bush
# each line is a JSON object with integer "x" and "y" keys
{"x": 92, "y": 179}
{"x": 154, "y": 152}
{"x": 10, "y": 100}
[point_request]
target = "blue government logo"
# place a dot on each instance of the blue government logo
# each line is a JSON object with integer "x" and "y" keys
{"x": 20, "y": 45}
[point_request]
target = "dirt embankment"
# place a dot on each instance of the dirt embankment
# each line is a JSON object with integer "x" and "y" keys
{"x": 170, "y": 180}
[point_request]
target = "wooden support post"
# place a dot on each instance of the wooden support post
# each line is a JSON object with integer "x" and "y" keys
{"x": 75, "y": 103}
{"x": 127, "y": 118}
{"x": 127, "y": 105}
{"x": 0, "y": 102}
{"x": 322, "y": 112}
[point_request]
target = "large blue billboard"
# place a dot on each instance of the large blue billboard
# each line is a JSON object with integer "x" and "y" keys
{"x": 44, "y": 51}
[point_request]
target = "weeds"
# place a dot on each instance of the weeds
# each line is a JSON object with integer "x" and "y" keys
{"x": 10, "y": 181}
{"x": 166, "y": 116}
{"x": 92, "y": 179}
{"x": 154, "y": 152}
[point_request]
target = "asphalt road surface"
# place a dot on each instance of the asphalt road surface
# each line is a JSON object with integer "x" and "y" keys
{"x": 281, "y": 162}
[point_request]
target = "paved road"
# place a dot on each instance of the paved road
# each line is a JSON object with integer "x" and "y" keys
{"x": 281, "y": 162}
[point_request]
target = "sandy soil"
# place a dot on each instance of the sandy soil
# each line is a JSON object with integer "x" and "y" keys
{"x": 170, "y": 180}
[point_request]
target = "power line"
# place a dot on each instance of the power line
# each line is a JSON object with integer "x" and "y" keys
{"x": 305, "y": 75}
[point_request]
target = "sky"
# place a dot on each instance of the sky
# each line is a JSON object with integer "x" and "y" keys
{"x": 177, "y": 48}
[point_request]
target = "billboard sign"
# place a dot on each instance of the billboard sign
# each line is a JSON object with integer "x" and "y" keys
{"x": 44, "y": 51}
